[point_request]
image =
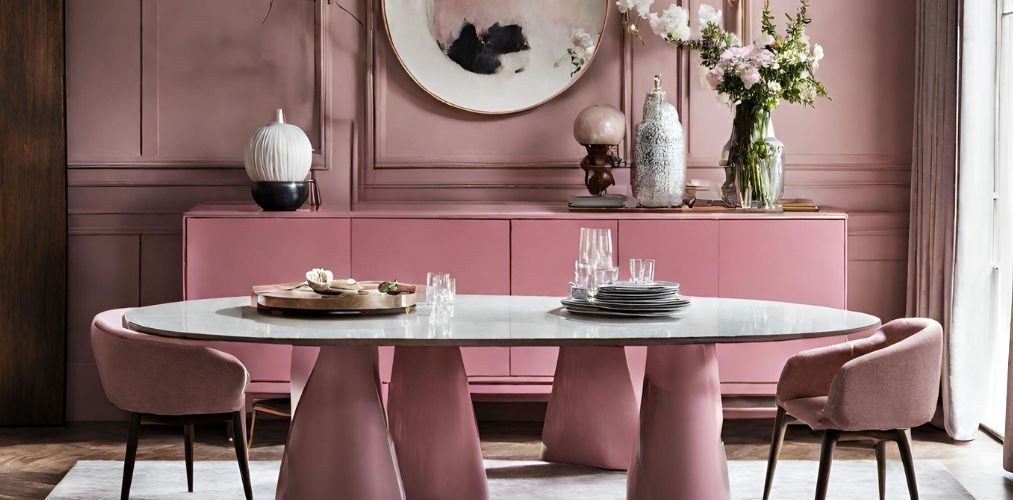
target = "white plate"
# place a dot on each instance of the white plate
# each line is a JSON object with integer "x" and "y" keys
{"x": 599, "y": 312}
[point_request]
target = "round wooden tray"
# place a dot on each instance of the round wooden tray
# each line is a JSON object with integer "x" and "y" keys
{"x": 296, "y": 296}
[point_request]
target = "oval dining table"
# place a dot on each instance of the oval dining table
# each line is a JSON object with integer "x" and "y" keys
{"x": 343, "y": 443}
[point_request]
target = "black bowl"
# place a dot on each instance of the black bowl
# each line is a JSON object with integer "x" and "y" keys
{"x": 280, "y": 196}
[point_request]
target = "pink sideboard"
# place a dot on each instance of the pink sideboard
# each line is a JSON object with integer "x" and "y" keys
{"x": 523, "y": 250}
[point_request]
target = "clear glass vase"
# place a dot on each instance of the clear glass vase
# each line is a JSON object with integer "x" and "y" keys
{"x": 753, "y": 159}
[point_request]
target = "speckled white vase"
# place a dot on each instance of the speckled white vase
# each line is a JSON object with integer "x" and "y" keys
{"x": 659, "y": 172}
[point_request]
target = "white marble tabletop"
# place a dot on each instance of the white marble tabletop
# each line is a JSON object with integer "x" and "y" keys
{"x": 499, "y": 320}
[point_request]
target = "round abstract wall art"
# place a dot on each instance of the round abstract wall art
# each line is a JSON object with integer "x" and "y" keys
{"x": 495, "y": 57}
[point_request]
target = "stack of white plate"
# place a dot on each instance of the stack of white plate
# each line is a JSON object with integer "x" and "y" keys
{"x": 658, "y": 299}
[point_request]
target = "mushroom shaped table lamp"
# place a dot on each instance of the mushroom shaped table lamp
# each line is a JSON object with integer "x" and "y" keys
{"x": 599, "y": 128}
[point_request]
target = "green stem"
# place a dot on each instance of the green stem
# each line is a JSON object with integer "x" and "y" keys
{"x": 749, "y": 151}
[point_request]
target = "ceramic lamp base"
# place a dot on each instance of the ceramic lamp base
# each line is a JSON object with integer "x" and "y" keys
{"x": 280, "y": 196}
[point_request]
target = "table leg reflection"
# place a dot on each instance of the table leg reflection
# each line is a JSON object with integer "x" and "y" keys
{"x": 432, "y": 424}
{"x": 678, "y": 452}
{"x": 592, "y": 414}
{"x": 338, "y": 445}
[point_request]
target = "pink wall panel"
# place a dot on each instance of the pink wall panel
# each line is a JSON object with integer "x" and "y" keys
{"x": 222, "y": 67}
{"x": 161, "y": 258}
{"x": 882, "y": 57}
{"x": 475, "y": 252}
{"x": 225, "y": 257}
{"x": 542, "y": 256}
{"x": 103, "y": 79}
{"x": 102, "y": 274}
{"x": 791, "y": 260}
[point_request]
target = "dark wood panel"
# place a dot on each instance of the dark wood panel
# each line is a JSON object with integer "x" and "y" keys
{"x": 33, "y": 211}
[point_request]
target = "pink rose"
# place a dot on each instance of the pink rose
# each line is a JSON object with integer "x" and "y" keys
{"x": 715, "y": 76}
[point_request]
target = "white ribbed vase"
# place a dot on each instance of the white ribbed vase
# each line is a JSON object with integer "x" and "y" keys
{"x": 659, "y": 171}
{"x": 278, "y": 152}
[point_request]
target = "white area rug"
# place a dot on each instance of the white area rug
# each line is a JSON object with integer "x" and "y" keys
{"x": 528, "y": 480}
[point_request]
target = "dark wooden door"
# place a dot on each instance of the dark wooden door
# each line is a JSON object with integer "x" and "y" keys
{"x": 33, "y": 213}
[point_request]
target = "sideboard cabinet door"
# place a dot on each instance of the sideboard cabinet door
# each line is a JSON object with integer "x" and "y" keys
{"x": 801, "y": 261}
{"x": 684, "y": 251}
{"x": 225, "y": 257}
{"x": 475, "y": 252}
{"x": 542, "y": 256}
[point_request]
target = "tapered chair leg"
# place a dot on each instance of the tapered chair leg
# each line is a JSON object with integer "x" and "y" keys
{"x": 881, "y": 468}
{"x": 826, "y": 457}
{"x": 776, "y": 441}
{"x": 253, "y": 423}
{"x": 188, "y": 454}
{"x": 909, "y": 463}
{"x": 131, "y": 456}
{"x": 241, "y": 453}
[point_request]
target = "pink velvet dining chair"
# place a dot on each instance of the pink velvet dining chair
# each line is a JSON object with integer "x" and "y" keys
{"x": 169, "y": 381}
{"x": 872, "y": 390}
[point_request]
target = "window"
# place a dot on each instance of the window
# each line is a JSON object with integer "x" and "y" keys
{"x": 1002, "y": 218}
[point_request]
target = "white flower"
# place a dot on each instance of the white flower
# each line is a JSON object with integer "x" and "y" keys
{"x": 765, "y": 40}
{"x": 581, "y": 39}
{"x": 749, "y": 77}
{"x": 704, "y": 80}
{"x": 643, "y": 7}
{"x": 774, "y": 87}
{"x": 817, "y": 55}
{"x": 672, "y": 24}
{"x": 581, "y": 50}
{"x": 804, "y": 39}
{"x": 708, "y": 15}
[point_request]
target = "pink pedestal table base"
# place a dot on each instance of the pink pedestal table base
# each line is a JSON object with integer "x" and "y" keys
{"x": 338, "y": 444}
{"x": 592, "y": 414}
{"x": 678, "y": 454}
{"x": 432, "y": 424}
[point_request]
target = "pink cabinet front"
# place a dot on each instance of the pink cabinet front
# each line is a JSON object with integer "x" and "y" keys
{"x": 802, "y": 261}
{"x": 684, "y": 251}
{"x": 543, "y": 254}
{"x": 226, "y": 256}
{"x": 475, "y": 252}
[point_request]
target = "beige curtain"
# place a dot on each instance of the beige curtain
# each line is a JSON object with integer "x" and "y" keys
{"x": 950, "y": 261}
{"x": 933, "y": 162}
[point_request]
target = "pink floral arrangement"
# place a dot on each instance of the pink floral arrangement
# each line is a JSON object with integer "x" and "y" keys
{"x": 775, "y": 66}
{"x": 754, "y": 78}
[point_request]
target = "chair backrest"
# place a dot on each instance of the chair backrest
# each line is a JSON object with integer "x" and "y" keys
{"x": 892, "y": 382}
{"x": 148, "y": 374}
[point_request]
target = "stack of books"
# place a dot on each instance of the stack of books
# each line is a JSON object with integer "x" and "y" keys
{"x": 799, "y": 205}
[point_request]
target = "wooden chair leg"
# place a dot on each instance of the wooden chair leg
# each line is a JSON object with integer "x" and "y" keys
{"x": 230, "y": 430}
{"x": 826, "y": 457}
{"x": 909, "y": 463}
{"x": 188, "y": 454}
{"x": 776, "y": 441}
{"x": 253, "y": 423}
{"x": 131, "y": 455}
{"x": 881, "y": 468}
{"x": 241, "y": 453}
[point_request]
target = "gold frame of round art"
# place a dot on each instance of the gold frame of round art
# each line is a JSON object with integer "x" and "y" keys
{"x": 601, "y": 33}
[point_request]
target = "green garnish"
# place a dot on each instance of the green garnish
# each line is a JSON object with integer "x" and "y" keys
{"x": 387, "y": 286}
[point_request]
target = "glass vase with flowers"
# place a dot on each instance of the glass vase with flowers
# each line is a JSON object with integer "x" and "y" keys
{"x": 754, "y": 79}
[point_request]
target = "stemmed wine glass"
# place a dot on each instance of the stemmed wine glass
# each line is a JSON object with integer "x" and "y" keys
{"x": 593, "y": 267}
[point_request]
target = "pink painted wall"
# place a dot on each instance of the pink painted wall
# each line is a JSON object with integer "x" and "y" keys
{"x": 163, "y": 94}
